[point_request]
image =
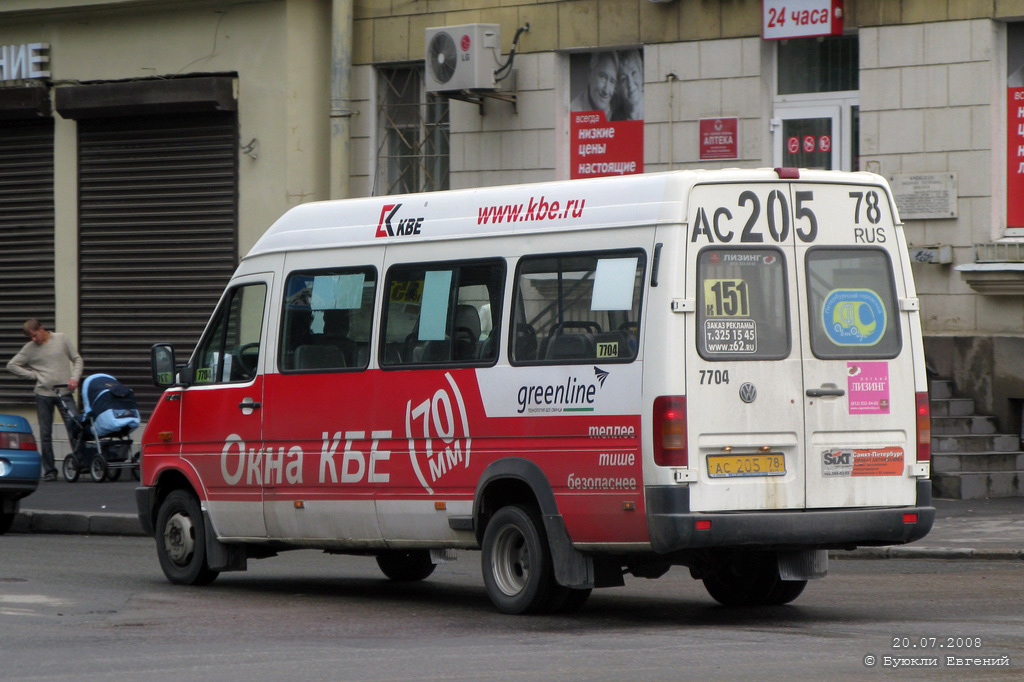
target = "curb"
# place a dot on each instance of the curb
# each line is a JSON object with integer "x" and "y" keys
{"x": 77, "y": 523}
{"x": 84, "y": 523}
{"x": 945, "y": 553}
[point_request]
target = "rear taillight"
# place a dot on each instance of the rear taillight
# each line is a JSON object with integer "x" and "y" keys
{"x": 17, "y": 441}
{"x": 924, "y": 428}
{"x": 670, "y": 431}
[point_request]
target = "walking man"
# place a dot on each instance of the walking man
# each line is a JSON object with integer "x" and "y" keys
{"x": 51, "y": 360}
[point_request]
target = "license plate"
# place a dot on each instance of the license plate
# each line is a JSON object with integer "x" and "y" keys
{"x": 760, "y": 464}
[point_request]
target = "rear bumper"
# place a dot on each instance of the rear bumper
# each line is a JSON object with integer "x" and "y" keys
{"x": 19, "y": 472}
{"x": 673, "y": 526}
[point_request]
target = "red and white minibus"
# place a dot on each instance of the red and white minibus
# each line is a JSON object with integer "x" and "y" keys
{"x": 721, "y": 370}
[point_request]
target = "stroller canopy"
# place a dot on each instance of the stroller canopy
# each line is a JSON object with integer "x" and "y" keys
{"x": 109, "y": 404}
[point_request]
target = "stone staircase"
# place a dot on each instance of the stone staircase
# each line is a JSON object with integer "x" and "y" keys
{"x": 970, "y": 460}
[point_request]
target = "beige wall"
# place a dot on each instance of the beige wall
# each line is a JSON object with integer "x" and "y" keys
{"x": 279, "y": 49}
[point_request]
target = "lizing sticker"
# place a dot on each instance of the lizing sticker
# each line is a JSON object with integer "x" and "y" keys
{"x": 853, "y": 317}
{"x": 845, "y": 463}
{"x": 867, "y": 385}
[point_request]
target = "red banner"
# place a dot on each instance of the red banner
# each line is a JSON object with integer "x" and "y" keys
{"x": 600, "y": 147}
{"x": 1015, "y": 157}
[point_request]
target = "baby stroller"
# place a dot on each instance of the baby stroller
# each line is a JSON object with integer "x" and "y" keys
{"x": 99, "y": 432}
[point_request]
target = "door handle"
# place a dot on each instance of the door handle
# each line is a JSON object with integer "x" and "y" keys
{"x": 248, "y": 403}
{"x": 821, "y": 392}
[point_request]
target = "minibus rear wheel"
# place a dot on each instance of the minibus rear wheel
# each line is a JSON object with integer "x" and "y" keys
{"x": 406, "y": 567}
{"x": 744, "y": 579}
{"x": 181, "y": 540}
{"x": 516, "y": 562}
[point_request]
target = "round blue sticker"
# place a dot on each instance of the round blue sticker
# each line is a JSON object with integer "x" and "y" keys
{"x": 853, "y": 317}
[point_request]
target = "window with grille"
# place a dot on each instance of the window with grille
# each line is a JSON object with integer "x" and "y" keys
{"x": 412, "y": 153}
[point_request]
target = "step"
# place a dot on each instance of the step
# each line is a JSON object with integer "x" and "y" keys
{"x": 974, "y": 424}
{"x": 952, "y": 407}
{"x": 958, "y": 462}
{"x": 969, "y": 485}
{"x": 940, "y": 389}
{"x": 992, "y": 442}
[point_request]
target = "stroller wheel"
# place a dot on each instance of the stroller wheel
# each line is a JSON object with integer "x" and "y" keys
{"x": 70, "y": 468}
{"x": 113, "y": 474}
{"x": 98, "y": 468}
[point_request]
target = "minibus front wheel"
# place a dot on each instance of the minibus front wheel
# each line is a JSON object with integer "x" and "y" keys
{"x": 181, "y": 540}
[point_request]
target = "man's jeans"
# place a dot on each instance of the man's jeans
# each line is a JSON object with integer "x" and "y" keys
{"x": 44, "y": 411}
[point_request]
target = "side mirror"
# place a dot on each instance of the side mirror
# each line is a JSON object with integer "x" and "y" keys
{"x": 162, "y": 365}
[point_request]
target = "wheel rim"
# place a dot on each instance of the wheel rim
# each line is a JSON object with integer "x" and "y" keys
{"x": 179, "y": 538}
{"x": 511, "y": 561}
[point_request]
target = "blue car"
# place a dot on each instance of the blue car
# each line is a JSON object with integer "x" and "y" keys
{"x": 19, "y": 466}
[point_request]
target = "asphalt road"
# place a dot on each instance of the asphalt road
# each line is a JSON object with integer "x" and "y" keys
{"x": 76, "y": 607}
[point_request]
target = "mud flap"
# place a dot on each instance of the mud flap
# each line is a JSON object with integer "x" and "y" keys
{"x": 806, "y": 564}
{"x": 220, "y": 556}
{"x": 572, "y": 567}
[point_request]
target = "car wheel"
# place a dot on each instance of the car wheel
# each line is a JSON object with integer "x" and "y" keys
{"x": 516, "y": 562}
{"x": 747, "y": 580}
{"x": 785, "y": 591}
{"x": 6, "y": 521}
{"x": 181, "y": 540}
{"x": 405, "y": 567}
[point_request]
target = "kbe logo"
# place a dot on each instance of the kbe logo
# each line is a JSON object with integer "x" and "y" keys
{"x": 404, "y": 226}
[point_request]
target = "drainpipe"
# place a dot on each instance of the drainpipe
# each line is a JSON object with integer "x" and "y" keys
{"x": 341, "y": 83}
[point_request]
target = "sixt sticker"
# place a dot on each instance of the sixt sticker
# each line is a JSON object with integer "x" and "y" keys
{"x": 853, "y": 317}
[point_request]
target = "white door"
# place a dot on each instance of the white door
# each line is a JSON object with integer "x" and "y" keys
{"x": 858, "y": 364}
{"x": 744, "y": 383}
{"x": 800, "y": 377}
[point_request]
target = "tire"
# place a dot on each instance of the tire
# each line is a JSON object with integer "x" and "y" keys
{"x": 181, "y": 540}
{"x": 785, "y": 591}
{"x": 748, "y": 580}
{"x": 70, "y": 468}
{"x": 113, "y": 474}
{"x": 406, "y": 567}
{"x": 516, "y": 563}
{"x": 6, "y": 521}
{"x": 98, "y": 468}
{"x": 136, "y": 466}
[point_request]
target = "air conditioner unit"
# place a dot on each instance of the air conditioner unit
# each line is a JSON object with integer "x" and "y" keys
{"x": 461, "y": 57}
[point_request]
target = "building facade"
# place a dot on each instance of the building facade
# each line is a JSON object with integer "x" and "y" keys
{"x": 163, "y": 137}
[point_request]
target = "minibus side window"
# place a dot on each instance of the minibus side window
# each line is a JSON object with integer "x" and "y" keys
{"x": 742, "y": 308}
{"x": 230, "y": 350}
{"x": 442, "y": 314}
{"x": 852, "y": 304}
{"x": 327, "y": 319}
{"x": 577, "y": 308}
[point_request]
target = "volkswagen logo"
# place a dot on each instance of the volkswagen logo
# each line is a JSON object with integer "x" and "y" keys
{"x": 748, "y": 392}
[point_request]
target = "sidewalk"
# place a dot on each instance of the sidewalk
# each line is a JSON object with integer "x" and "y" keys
{"x": 964, "y": 529}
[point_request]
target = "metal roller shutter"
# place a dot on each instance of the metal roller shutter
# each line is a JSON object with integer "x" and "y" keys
{"x": 26, "y": 242}
{"x": 158, "y": 237}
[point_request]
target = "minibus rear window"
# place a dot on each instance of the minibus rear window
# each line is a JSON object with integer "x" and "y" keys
{"x": 852, "y": 304}
{"x": 742, "y": 309}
